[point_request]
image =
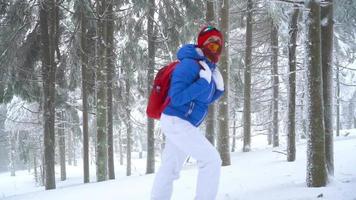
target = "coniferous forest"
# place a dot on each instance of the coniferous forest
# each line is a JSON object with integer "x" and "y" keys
{"x": 76, "y": 75}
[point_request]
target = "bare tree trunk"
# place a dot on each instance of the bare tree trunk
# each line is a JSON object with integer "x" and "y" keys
{"x": 62, "y": 146}
{"x": 293, "y": 31}
{"x": 85, "y": 87}
{"x": 110, "y": 71}
{"x": 12, "y": 153}
{"x": 102, "y": 154}
{"x": 74, "y": 143}
{"x": 128, "y": 126}
{"x": 302, "y": 110}
{"x": 350, "y": 112}
{"x": 121, "y": 153}
{"x": 247, "y": 82}
{"x": 270, "y": 126}
{"x": 47, "y": 25}
{"x": 42, "y": 171}
{"x": 234, "y": 134}
{"x": 70, "y": 147}
{"x": 337, "y": 93}
{"x": 150, "y": 165}
{"x": 275, "y": 83}
{"x": 35, "y": 167}
{"x": 223, "y": 116}
{"x": 210, "y": 120}
{"x": 327, "y": 35}
{"x": 316, "y": 170}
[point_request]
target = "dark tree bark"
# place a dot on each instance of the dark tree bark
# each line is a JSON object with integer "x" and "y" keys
{"x": 70, "y": 147}
{"x": 269, "y": 136}
{"x": 223, "y": 116}
{"x": 275, "y": 83}
{"x": 293, "y": 33}
{"x": 109, "y": 76}
{"x": 62, "y": 146}
{"x": 247, "y": 82}
{"x": 337, "y": 91}
{"x": 101, "y": 150}
{"x": 85, "y": 88}
{"x": 128, "y": 125}
{"x": 150, "y": 166}
{"x": 327, "y": 34}
{"x": 316, "y": 170}
{"x": 47, "y": 27}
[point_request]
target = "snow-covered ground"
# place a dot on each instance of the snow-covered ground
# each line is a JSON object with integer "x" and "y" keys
{"x": 260, "y": 174}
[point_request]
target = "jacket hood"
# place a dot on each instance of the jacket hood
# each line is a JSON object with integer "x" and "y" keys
{"x": 191, "y": 51}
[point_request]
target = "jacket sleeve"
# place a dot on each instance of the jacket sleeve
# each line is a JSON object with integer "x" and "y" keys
{"x": 185, "y": 83}
{"x": 217, "y": 95}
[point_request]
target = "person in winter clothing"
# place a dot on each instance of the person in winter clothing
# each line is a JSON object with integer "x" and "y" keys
{"x": 196, "y": 83}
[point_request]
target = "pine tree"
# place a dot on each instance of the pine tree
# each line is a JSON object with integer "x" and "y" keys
{"x": 62, "y": 145}
{"x": 19, "y": 52}
{"x": 101, "y": 154}
{"x": 293, "y": 31}
{"x": 316, "y": 171}
{"x": 150, "y": 168}
{"x": 47, "y": 25}
{"x": 275, "y": 82}
{"x": 109, "y": 80}
{"x": 128, "y": 122}
{"x": 84, "y": 65}
{"x": 247, "y": 82}
{"x": 327, "y": 34}
{"x": 223, "y": 116}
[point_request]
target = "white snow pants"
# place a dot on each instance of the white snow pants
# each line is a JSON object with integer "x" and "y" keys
{"x": 182, "y": 140}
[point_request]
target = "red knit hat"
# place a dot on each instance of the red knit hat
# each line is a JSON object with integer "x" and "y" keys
{"x": 207, "y": 32}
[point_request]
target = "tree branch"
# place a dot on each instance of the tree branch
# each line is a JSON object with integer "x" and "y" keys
{"x": 291, "y": 1}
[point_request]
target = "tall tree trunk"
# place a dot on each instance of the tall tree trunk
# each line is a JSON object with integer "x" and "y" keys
{"x": 35, "y": 167}
{"x": 350, "y": 112}
{"x": 85, "y": 88}
{"x": 316, "y": 170}
{"x": 233, "y": 148}
{"x": 47, "y": 23}
{"x": 327, "y": 34}
{"x": 12, "y": 153}
{"x": 150, "y": 165}
{"x": 223, "y": 116}
{"x": 292, "y": 46}
{"x": 70, "y": 147}
{"x": 128, "y": 125}
{"x": 74, "y": 143}
{"x": 109, "y": 76}
{"x": 302, "y": 110}
{"x": 275, "y": 83}
{"x": 337, "y": 92}
{"x": 102, "y": 154}
{"x": 62, "y": 146}
{"x": 211, "y": 118}
{"x": 270, "y": 126}
{"x": 121, "y": 153}
{"x": 247, "y": 82}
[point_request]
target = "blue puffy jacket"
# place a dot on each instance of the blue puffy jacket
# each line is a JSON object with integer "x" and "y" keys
{"x": 191, "y": 95}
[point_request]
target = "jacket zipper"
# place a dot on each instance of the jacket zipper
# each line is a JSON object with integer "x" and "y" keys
{"x": 191, "y": 106}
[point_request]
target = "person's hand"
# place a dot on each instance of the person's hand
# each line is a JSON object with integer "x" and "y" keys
{"x": 205, "y": 72}
{"x": 218, "y": 79}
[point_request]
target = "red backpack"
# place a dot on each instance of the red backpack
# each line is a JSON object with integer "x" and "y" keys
{"x": 158, "y": 100}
